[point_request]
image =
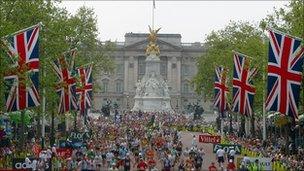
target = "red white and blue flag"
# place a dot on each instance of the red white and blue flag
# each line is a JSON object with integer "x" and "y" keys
{"x": 243, "y": 90}
{"x": 285, "y": 66}
{"x": 66, "y": 86}
{"x": 85, "y": 88}
{"x": 22, "y": 79}
{"x": 220, "y": 90}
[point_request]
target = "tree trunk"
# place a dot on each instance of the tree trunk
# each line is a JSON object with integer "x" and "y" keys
{"x": 253, "y": 126}
{"x": 242, "y": 127}
{"x": 75, "y": 120}
{"x": 52, "y": 140}
{"x": 38, "y": 132}
{"x": 230, "y": 124}
{"x": 287, "y": 131}
{"x": 22, "y": 138}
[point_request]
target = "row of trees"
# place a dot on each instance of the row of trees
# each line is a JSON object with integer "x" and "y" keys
{"x": 61, "y": 31}
{"x": 252, "y": 40}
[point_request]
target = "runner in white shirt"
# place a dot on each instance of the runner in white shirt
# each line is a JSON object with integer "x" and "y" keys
{"x": 193, "y": 141}
{"x": 232, "y": 154}
{"x": 220, "y": 156}
{"x": 246, "y": 160}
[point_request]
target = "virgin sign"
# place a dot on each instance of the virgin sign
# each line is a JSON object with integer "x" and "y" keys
{"x": 214, "y": 139}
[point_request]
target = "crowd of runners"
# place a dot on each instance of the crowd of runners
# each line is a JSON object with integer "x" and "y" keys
{"x": 147, "y": 142}
{"x": 130, "y": 141}
{"x": 137, "y": 141}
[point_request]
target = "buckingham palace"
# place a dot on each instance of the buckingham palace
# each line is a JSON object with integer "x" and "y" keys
{"x": 177, "y": 67}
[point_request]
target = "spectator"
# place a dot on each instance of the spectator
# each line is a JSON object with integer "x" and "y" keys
{"x": 212, "y": 167}
{"x": 231, "y": 166}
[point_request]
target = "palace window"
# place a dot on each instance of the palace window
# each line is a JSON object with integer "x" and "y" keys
{"x": 141, "y": 65}
{"x": 119, "y": 87}
{"x": 173, "y": 65}
{"x": 105, "y": 86}
{"x": 119, "y": 69}
{"x": 131, "y": 65}
{"x": 163, "y": 66}
{"x": 185, "y": 87}
{"x": 185, "y": 70}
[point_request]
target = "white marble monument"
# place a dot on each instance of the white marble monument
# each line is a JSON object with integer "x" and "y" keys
{"x": 152, "y": 92}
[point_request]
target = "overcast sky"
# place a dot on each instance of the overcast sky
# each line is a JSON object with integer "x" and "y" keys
{"x": 192, "y": 19}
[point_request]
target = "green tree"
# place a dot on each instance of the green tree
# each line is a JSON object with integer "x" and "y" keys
{"x": 83, "y": 37}
{"x": 60, "y": 32}
{"x": 242, "y": 37}
{"x": 84, "y": 26}
{"x": 288, "y": 19}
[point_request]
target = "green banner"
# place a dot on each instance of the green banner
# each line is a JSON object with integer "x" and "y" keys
{"x": 227, "y": 148}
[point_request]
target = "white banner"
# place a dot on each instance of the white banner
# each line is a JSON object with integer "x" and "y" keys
{"x": 266, "y": 162}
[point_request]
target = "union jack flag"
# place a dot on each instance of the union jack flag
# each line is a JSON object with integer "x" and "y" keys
{"x": 243, "y": 90}
{"x": 285, "y": 66}
{"x": 23, "y": 79}
{"x": 220, "y": 90}
{"x": 85, "y": 89}
{"x": 66, "y": 86}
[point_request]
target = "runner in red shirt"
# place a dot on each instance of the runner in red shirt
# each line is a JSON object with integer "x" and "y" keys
{"x": 151, "y": 163}
{"x": 142, "y": 165}
{"x": 212, "y": 167}
{"x": 159, "y": 142}
{"x": 150, "y": 153}
{"x": 231, "y": 166}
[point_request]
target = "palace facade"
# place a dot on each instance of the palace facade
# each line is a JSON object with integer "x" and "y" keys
{"x": 178, "y": 67}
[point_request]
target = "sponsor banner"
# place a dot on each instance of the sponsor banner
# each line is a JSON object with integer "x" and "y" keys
{"x": 79, "y": 136}
{"x": 265, "y": 163}
{"x": 64, "y": 152}
{"x": 36, "y": 149}
{"x": 71, "y": 144}
{"x": 214, "y": 139}
{"x": 227, "y": 148}
{"x": 21, "y": 164}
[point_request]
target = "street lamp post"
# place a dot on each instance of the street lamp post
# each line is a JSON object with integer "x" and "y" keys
{"x": 230, "y": 121}
{"x": 221, "y": 123}
{"x": 128, "y": 102}
{"x": 176, "y": 107}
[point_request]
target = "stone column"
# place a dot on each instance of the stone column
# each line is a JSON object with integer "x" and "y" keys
{"x": 135, "y": 74}
{"x": 126, "y": 74}
{"x": 178, "y": 75}
{"x": 169, "y": 74}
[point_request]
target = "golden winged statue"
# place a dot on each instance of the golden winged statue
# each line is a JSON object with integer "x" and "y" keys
{"x": 152, "y": 47}
{"x": 153, "y": 35}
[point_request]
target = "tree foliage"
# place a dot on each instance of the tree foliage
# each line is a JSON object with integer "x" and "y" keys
{"x": 242, "y": 37}
{"x": 60, "y": 32}
{"x": 288, "y": 19}
{"x": 251, "y": 40}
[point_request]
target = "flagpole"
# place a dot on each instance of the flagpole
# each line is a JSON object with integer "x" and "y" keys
{"x": 285, "y": 34}
{"x": 242, "y": 54}
{"x": 23, "y": 30}
{"x": 264, "y": 110}
{"x": 264, "y": 100}
{"x": 43, "y": 101}
{"x": 153, "y": 14}
{"x": 43, "y": 113}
